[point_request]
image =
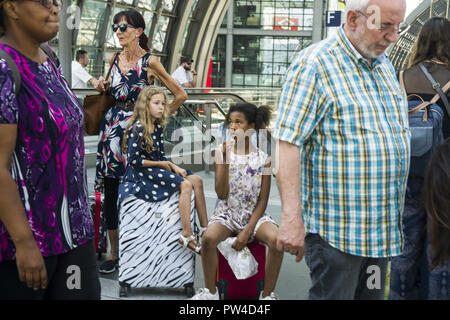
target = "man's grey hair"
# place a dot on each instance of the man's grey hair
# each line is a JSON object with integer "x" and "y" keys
{"x": 355, "y": 5}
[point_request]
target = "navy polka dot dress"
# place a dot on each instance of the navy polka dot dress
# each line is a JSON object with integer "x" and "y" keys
{"x": 149, "y": 184}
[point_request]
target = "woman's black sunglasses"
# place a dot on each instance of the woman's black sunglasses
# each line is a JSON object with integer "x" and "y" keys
{"x": 123, "y": 27}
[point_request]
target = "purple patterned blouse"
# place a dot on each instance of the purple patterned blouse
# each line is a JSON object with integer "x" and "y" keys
{"x": 48, "y": 161}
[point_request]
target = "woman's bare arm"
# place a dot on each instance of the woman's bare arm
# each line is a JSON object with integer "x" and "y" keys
{"x": 30, "y": 263}
{"x": 157, "y": 70}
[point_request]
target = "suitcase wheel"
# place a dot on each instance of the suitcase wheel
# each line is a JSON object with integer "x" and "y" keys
{"x": 222, "y": 285}
{"x": 189, "y": 290}
{"x": 259, "y": 287}
{"x": 124, "y": 290}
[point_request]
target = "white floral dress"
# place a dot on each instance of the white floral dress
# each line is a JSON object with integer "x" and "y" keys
{"x": 244, "y": 187}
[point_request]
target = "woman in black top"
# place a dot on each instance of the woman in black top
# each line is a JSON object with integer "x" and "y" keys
{"x": 411, "y": 274}
{"x": 433, "y": 50}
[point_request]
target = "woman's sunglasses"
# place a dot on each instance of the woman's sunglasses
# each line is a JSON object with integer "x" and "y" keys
{"x": 122, "y": 27}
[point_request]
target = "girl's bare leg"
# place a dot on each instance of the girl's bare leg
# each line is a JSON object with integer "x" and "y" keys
{"x": 200, "y": 203}
{"x": 267, "y": 233}
{"x": 214, "y": 234}
{"x": 185, "y": 207}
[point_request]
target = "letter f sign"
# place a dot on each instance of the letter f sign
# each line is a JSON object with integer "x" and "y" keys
{"x": 333, "y": 18}
{"x": 330, "y": 16}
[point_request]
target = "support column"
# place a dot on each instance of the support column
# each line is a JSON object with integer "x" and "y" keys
{"x": 65, "y": 42}
{"x": 318, "y": 21}
{"x": 99, "y": 60}
{"x": 229, "y": 46}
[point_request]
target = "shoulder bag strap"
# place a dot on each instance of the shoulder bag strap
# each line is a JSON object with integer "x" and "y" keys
{"x": 437, "y": 87}
{"x": 116, "y": 57}
{"x": 50, "y": 54}
{"x": 402, "y": 81}
{"x": 14, "y": 69}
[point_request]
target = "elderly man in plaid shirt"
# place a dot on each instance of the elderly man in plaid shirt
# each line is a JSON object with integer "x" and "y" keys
{"x": 343, "y": 118}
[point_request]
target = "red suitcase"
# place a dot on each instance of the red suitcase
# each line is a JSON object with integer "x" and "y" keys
{"x": 96, "y": 207}
{"x": 232, "y": 288}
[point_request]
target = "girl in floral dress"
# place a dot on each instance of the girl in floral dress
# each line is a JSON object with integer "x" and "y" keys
{"x": 242, "y": 183}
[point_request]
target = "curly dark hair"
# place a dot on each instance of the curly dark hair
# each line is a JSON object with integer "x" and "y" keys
{"x": 259, "y": 116}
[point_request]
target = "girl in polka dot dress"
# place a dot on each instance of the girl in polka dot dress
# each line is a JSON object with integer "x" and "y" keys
{"x": 149, "y": 176}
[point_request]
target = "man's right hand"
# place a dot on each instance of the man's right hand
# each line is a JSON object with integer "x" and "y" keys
{"x": 30, "y": 265}
{"x": 291, "y": 235}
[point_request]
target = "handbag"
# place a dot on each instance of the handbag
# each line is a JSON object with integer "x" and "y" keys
{"x": 95, "y": 106}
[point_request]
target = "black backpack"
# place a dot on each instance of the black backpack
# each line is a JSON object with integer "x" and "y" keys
{"x": 425, "y": 122}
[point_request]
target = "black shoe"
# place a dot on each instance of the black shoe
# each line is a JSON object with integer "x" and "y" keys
{"x": 109, "y": 266}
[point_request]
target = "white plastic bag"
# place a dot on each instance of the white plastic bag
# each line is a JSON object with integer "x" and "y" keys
{"x": 242, "y": 263}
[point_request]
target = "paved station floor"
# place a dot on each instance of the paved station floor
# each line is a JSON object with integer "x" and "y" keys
{"x": 293, "y": 282}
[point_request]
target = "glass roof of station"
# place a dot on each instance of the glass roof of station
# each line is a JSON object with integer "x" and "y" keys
{"x": 400, "y": 52}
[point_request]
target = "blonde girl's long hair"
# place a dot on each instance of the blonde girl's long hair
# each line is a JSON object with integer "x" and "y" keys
{"x": 142, "y": 113}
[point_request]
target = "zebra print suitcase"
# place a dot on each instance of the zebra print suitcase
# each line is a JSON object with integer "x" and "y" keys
{"x": 149, "y": 253}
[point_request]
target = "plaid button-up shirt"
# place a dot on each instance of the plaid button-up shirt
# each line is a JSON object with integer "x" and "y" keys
{"x": 350, "y": 121}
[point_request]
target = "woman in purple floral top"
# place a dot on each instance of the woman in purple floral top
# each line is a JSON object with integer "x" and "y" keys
{"x": 45, "y": 223}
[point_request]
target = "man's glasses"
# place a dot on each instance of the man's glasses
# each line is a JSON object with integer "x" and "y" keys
{"x": 384, "y": 28}
{"x": 49, "y": 3}
{"x": 122, "y": 27}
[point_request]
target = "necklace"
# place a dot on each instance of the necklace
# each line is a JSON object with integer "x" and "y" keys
{"x": 125, "y": 64}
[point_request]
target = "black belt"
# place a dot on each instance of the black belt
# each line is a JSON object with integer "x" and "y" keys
{"x": 127, "y": 105}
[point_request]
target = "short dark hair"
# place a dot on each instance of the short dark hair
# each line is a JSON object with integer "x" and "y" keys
{"x": 186, "y": 60}
{"x": 80, "y": 54}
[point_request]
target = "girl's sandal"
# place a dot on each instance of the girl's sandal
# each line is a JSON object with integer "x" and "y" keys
{"x": 190, "y": 243}
{"x": 201, "y": 231}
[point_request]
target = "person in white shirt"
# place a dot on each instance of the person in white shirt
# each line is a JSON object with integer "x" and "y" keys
{"x": 80, "y": 77}
{"x": 184, "y": 74}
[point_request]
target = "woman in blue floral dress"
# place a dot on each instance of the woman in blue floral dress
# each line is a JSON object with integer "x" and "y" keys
{"x": 132, "y": 69}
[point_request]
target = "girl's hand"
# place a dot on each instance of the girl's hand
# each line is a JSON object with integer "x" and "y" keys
{"x": 227, "y": 147}
{"x": 166, "y": 165}
{"x": 179, "y": 171}
{"x": 241, "y": 240}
